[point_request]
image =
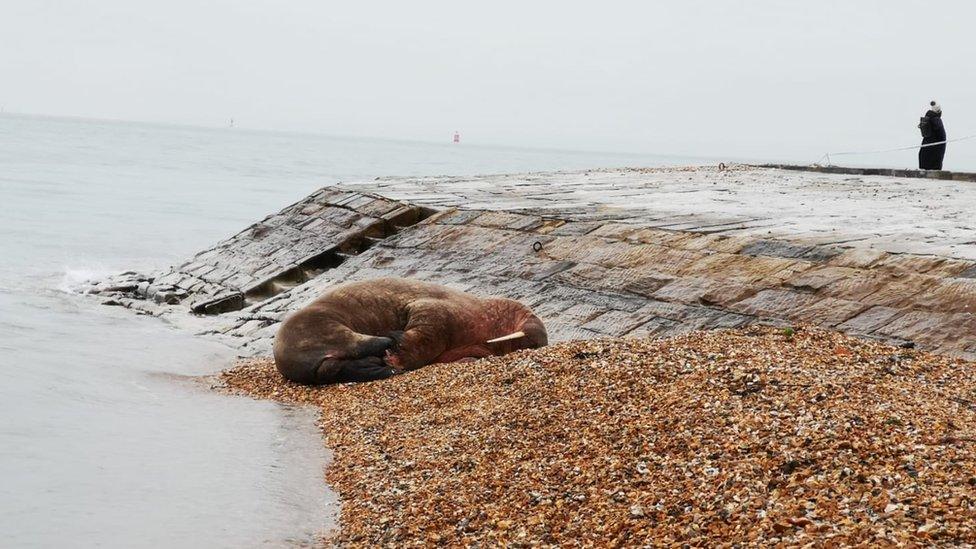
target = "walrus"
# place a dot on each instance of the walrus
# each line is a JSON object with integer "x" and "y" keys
{"x": 361, "y": 331}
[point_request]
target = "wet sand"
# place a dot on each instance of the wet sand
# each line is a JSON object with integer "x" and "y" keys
{"x": 755, "y": 436}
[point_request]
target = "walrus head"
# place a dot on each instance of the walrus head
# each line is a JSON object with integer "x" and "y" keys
{"x": 516, "y": 327}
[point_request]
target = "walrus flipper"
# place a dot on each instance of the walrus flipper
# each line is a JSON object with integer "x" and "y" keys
{"x": 397, "y": 337}
{"x": 360, "y": 369}
{"x": 374, "y": 345}
{"x": 423, "y": 338}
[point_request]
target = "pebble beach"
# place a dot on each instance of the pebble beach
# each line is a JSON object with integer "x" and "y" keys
{"x": 759, "y": 436}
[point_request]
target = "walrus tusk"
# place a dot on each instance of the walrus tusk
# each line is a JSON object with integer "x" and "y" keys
{"x": 508, "y": 337}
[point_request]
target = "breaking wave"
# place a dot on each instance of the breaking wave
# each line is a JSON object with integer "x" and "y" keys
{"x": 79, "y": 280}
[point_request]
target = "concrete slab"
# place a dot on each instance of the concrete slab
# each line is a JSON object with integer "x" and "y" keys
{"x": 897, "y": 214}
{"x": 608, "y": 253}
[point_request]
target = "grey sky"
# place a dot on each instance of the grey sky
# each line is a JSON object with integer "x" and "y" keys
{"x": 758, "y": 78}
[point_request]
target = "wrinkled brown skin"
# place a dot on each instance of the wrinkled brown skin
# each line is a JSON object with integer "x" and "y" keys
{"x": 374, "y": 329}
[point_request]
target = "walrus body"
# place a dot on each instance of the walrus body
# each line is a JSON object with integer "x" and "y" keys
{"x": 369, "y": 330}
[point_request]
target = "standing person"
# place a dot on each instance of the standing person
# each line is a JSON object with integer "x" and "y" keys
{"x": 930, "y": 158}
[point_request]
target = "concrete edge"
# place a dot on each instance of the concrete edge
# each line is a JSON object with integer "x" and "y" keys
{"x": 889, "y": 172}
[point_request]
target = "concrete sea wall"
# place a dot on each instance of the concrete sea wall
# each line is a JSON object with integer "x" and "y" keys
{"x": 607, "y": 253}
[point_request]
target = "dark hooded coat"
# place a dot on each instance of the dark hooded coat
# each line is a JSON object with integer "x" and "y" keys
{"x": 930, "y": 158}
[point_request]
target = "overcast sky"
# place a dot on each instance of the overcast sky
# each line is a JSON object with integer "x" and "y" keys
{"x": 760, "y": 78}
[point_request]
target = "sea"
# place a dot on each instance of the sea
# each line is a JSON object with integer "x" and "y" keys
{"x": 107, "y": 437}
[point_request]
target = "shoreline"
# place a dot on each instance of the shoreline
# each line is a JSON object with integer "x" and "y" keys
{"x": 707, "y": 437}
{"x": 325, "y": 534}
{"x": 331, "y": 511}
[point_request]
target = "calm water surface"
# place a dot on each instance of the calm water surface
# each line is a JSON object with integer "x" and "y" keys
{"x": 103, "y": 441}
